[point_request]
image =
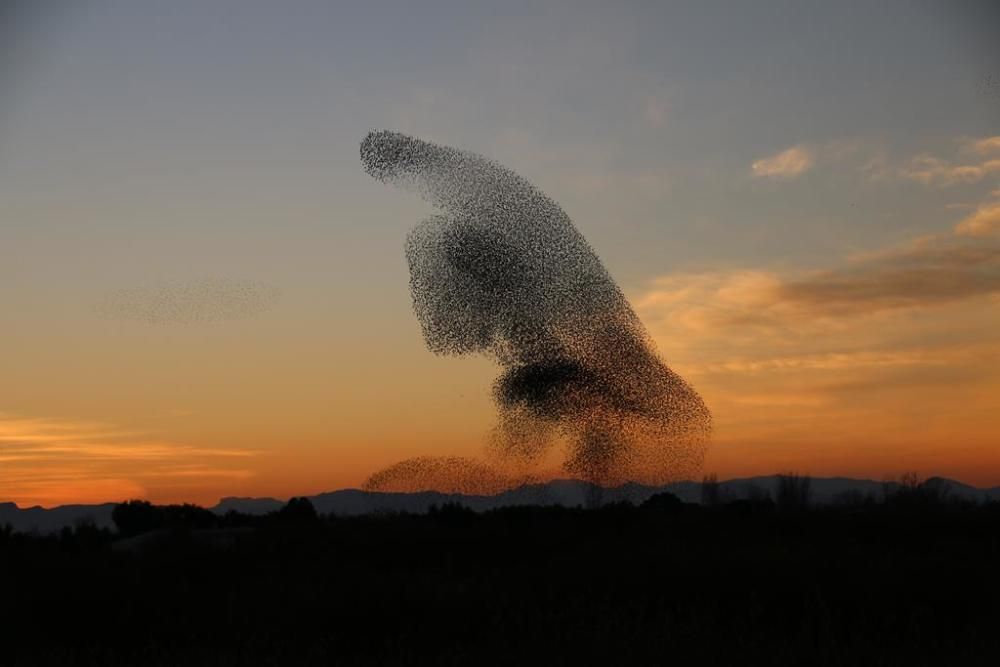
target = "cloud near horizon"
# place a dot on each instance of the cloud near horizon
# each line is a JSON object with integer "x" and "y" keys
{"x": 50, "y": 462}
{"x": 897, "y": 345}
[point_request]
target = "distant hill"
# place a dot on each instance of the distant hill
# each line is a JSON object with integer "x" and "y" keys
{"x": 54, "y": 519}
{"x": 564, "y": 492}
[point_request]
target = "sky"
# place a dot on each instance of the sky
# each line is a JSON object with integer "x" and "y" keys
{"x": 204, "y": 295}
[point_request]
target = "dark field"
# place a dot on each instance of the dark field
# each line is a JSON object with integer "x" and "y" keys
{"x": 873, "y": 583}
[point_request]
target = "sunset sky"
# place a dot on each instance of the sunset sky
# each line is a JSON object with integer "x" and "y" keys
{"x": 204, "y": 295}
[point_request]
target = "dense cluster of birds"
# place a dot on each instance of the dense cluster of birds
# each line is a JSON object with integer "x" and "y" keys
{"x": 446, "y": 474}
{"x": 189, "y": 302}
{"x": 502, "y": 271}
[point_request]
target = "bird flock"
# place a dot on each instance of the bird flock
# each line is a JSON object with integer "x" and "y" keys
{"x": 500, "y": 270}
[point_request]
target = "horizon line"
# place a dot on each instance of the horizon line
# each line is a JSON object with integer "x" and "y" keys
{"x": 221, "y": 499}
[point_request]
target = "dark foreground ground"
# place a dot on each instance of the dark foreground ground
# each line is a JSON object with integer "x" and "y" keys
{"x": 744, "y": 584}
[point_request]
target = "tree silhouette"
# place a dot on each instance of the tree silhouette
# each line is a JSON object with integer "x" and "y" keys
{"x": 710, "y": 492}
{"x": 297, "y": 510}
{"x": 794, "y": 492}
{"x": 136, "y": 517}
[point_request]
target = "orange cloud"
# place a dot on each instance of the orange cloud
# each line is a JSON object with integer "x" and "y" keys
{"x": 986, "y": 145}
{"x": 788, "y": 163}
{"x": 886, "y": 358}
{"x": 984, "y": 221}
{"x": 928, "y": 170}
{"x": 933, "y": 171}
{"x": 48, "y": 462}
{"x": 929, "y": 272}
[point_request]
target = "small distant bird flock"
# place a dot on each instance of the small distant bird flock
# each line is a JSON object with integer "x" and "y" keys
{"x": 189, "y": 302}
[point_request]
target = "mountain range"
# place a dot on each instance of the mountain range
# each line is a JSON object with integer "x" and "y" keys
{"x": 564, "y": 492}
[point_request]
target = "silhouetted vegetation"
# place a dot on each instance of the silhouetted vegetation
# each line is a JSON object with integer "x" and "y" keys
{"x": 711, "y": 495}
{"x": 913, "y": 493}
{"x": 136, "y": 516}
{"x": 907, "y": 579}
{"x": 298, "y": 510}
{"x": 139, "y": 516}
{"x": 793, "y": 492}
{"x": 663, "y": 502}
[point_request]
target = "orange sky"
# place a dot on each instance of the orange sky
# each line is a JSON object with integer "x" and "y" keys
{"x": 877, "y": 363}
{"x": 204, "y": 295}
{"x": 856, "y": 369}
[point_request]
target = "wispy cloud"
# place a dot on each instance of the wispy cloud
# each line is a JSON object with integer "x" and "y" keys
{"x": 876, "y": 168}
{"x": 984, "y": 221}
{"x": 789, "y": 163}
{"x": 893, "y": 345}
{"x": 48, "y": 461}
{"x": 971, "y": 161}
{"x": 985, "y": 145}
{"x": 931, "y": 171}
{"x": 933, "y": 271}
{"x": 840, "y": 360}
{"x": 928, "y": 272}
